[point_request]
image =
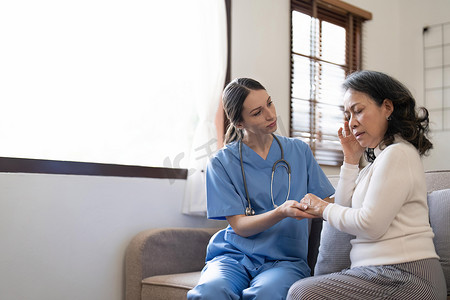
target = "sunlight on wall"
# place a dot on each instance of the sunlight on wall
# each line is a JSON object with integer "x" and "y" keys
{"x": 99, "y": 81}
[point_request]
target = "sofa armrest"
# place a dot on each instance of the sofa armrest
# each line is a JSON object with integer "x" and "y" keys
{"x": 164, "y": 251}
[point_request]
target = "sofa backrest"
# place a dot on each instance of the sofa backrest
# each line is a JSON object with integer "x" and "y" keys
{"x": 437, "y": 180}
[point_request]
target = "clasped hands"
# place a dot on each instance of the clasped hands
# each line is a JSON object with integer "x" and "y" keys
{"x": 310, "y": 207}
{"x": 313, "y": 205}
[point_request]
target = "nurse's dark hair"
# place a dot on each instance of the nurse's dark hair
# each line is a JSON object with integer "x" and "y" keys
{"x": 411, "y": 125}
{"x": 233, "y": 98}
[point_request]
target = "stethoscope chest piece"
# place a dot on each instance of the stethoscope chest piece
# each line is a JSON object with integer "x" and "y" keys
{"x": 249, "y": 211}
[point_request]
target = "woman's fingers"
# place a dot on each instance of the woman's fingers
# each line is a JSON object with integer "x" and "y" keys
{"x": 347, "y": 128}
{"x": 308, "y": 201}
{"x": 344, "y": 132}
{"x": 340, "y": 135}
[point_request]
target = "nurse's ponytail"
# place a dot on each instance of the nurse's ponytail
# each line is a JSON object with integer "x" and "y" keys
{"x": 233, "y": 134}
{"x": 233, "y": 99}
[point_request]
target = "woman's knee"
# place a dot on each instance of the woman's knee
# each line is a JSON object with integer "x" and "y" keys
{"x": 302, "y": 289}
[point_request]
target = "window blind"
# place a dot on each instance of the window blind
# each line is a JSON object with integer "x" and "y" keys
{"x": 325, "y": 48}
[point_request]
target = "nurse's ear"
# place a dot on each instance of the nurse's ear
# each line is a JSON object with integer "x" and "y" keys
{"x": 239, "y": 125}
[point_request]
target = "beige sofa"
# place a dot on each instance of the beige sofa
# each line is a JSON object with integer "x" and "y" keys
{"x": 165, "y": 263}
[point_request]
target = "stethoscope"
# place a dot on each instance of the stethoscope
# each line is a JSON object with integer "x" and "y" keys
{"x": 249, "y": 211}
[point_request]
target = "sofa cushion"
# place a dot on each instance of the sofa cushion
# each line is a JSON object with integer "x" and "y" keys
{"x": 334, "y": 250}
{"x": 174, "y": 286}
{"x": 439, "y": 205}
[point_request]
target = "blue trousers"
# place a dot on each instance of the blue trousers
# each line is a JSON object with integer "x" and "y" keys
{"x": 226, "y": 278}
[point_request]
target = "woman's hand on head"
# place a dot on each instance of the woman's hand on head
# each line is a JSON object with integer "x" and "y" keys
{"x": 313, "y": 205}
{"x": 350, "y": 146}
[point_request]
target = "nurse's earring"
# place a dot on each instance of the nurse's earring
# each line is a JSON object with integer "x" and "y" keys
{"x": 239, "y": 129}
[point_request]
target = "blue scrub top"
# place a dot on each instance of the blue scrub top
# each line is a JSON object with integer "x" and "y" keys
{"x": 286, "y": 240}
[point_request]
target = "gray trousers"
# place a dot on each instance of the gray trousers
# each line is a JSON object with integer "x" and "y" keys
{"x": 421, "y": 279}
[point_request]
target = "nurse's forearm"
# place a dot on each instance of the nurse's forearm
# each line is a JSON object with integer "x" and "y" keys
{"x": 246, "y": 226}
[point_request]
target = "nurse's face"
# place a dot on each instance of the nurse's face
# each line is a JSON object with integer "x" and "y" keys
{"x": 258, "y": 114}
{"x": 367, "y": 120}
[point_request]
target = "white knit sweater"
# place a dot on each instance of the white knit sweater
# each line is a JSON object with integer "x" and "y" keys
{"x": 385, "y": 207}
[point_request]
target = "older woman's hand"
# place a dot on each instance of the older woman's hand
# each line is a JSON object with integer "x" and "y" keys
{"x": 350, "y": 146}
{"x": 314, "y": 205}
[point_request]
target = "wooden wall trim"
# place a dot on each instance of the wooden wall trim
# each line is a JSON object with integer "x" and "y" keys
{"x": 42, "y": 166}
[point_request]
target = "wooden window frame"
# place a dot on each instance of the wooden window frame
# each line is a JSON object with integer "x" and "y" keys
{"x": 44, "y": 166}
{"x": 351, "y": 18}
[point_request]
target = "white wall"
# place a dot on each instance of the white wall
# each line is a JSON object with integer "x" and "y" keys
{"x": 392, "y": 44}
{"x": 261, "y": 48}
{"x": 64, "y": 237}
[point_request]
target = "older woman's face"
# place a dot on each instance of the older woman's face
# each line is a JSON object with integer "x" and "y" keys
{"x": 367, "y": 121}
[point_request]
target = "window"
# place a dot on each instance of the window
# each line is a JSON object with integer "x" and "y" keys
{"x": 100, "y": 81}
{"x": 326, "y": 47}
{"x": 436, "y": 51}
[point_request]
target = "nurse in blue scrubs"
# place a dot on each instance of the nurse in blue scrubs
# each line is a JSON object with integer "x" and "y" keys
{"x": 263, "y": 251}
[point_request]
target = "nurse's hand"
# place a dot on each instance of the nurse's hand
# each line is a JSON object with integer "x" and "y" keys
{"x": 313, "y": 205}
{"x": 294, "y": 209}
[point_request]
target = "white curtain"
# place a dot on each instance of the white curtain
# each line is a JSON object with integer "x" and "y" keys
{"x": 211, "y": 77}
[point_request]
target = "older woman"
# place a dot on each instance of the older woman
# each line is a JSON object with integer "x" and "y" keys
{"x": 384, "y": 205}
